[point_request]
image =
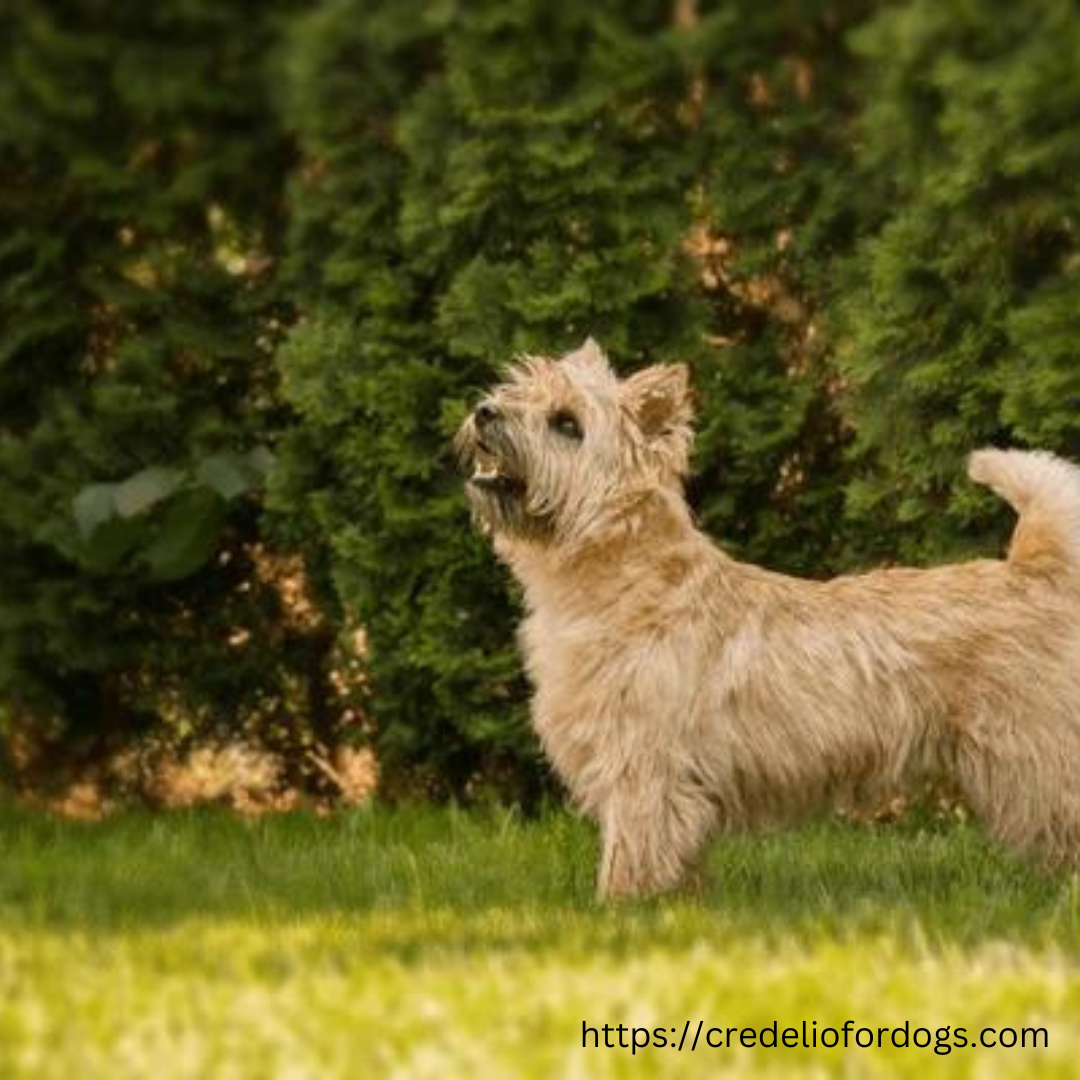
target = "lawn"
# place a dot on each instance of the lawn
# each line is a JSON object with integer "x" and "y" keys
{"x": 448, "y": 945}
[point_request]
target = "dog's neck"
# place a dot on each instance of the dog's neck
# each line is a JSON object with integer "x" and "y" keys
{"x": 656, "y": 541}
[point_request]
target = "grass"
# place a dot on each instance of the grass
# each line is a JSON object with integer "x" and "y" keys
{"x": 440, "y": 944}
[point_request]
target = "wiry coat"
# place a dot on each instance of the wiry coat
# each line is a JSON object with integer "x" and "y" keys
{"x": 679, "y": 692}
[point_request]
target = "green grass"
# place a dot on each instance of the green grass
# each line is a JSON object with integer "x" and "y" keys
{"x": 440, "y": 944}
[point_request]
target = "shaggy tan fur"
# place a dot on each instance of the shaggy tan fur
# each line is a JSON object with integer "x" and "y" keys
{"x": 679, "y": 692}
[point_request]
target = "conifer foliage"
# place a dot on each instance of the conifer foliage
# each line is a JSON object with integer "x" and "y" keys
{"x": 961, "y": 319}
{"x": 258, "y": 258}
{"x": 504, "y": 181}
{"x": 140, "y": 194}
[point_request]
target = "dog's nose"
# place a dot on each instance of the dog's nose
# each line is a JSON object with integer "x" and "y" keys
{"x": 486, "y": 413}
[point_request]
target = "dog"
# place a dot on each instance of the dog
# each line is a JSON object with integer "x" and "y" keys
{"x": 680, "y": 693}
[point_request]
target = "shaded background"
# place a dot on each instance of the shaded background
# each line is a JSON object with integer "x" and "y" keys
{"x": 256, "y": 259}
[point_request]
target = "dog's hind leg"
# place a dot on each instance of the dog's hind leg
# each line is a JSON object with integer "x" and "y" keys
{"x": 1022, "y": 781}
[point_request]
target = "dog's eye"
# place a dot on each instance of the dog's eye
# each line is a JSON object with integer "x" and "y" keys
{"x": 566, "y": 424}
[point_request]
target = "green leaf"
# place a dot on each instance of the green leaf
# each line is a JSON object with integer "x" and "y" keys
{"x": 232, "y": 475}
{"x": 261, "y": 459}
{"x": 146, "y": 488}
{"x": 187, "y": 536}
{"x": 93, "y": 506}
{"x": 227, "y": 474}
{"x": 111, "y": 542}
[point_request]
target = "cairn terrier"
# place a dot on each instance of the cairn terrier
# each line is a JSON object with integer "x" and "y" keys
{"x": 680, "y": 693}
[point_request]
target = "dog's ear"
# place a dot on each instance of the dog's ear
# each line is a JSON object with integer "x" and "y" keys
{"x": 659, "y": 399}
{"x": 589, "y": 357}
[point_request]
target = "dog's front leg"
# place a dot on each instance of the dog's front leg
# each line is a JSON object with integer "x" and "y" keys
{"x": 649, "y": 841}
{"x": 616, "y": 874}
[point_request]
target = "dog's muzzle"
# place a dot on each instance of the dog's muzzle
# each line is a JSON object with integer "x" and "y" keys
{"x": 490, "y": 473}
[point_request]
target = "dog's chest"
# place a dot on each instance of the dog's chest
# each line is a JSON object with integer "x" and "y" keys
{"x": 573, "y": 664}
{"x": 587, "y": 680}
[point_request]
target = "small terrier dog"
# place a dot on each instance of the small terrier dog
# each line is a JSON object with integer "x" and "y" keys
{"x": 680, "y": 693}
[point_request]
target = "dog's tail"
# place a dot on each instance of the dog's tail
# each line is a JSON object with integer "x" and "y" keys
{"x": 1045, "y": 491}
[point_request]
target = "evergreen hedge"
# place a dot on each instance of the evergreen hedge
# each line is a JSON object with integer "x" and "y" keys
{"x": 961, "y": 320}
{"x": 141, "y": 208}
{"x": 257, "y": 260}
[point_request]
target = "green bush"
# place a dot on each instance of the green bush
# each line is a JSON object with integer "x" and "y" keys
{"x": 781, "y": 205}
{"x": 287, "y": 245}
{"x": 141, "y": 204}
{"x": 506, "y": 180}
{"x": 961, "y": 322}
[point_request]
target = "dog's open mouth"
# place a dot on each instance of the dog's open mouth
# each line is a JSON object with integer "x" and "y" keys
{"x": 490, "y": 474}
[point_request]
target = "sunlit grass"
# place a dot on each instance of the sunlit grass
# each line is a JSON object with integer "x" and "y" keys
{"x": 437, "y": 943}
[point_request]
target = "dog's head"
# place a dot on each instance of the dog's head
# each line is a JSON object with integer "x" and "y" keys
{"x": 563, "y": 447}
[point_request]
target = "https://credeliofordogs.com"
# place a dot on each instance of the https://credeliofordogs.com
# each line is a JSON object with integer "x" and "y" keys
{"x": 942, "y": 1040}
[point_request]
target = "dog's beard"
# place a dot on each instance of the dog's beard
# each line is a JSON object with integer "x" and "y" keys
{"x": 497, "y": 486}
